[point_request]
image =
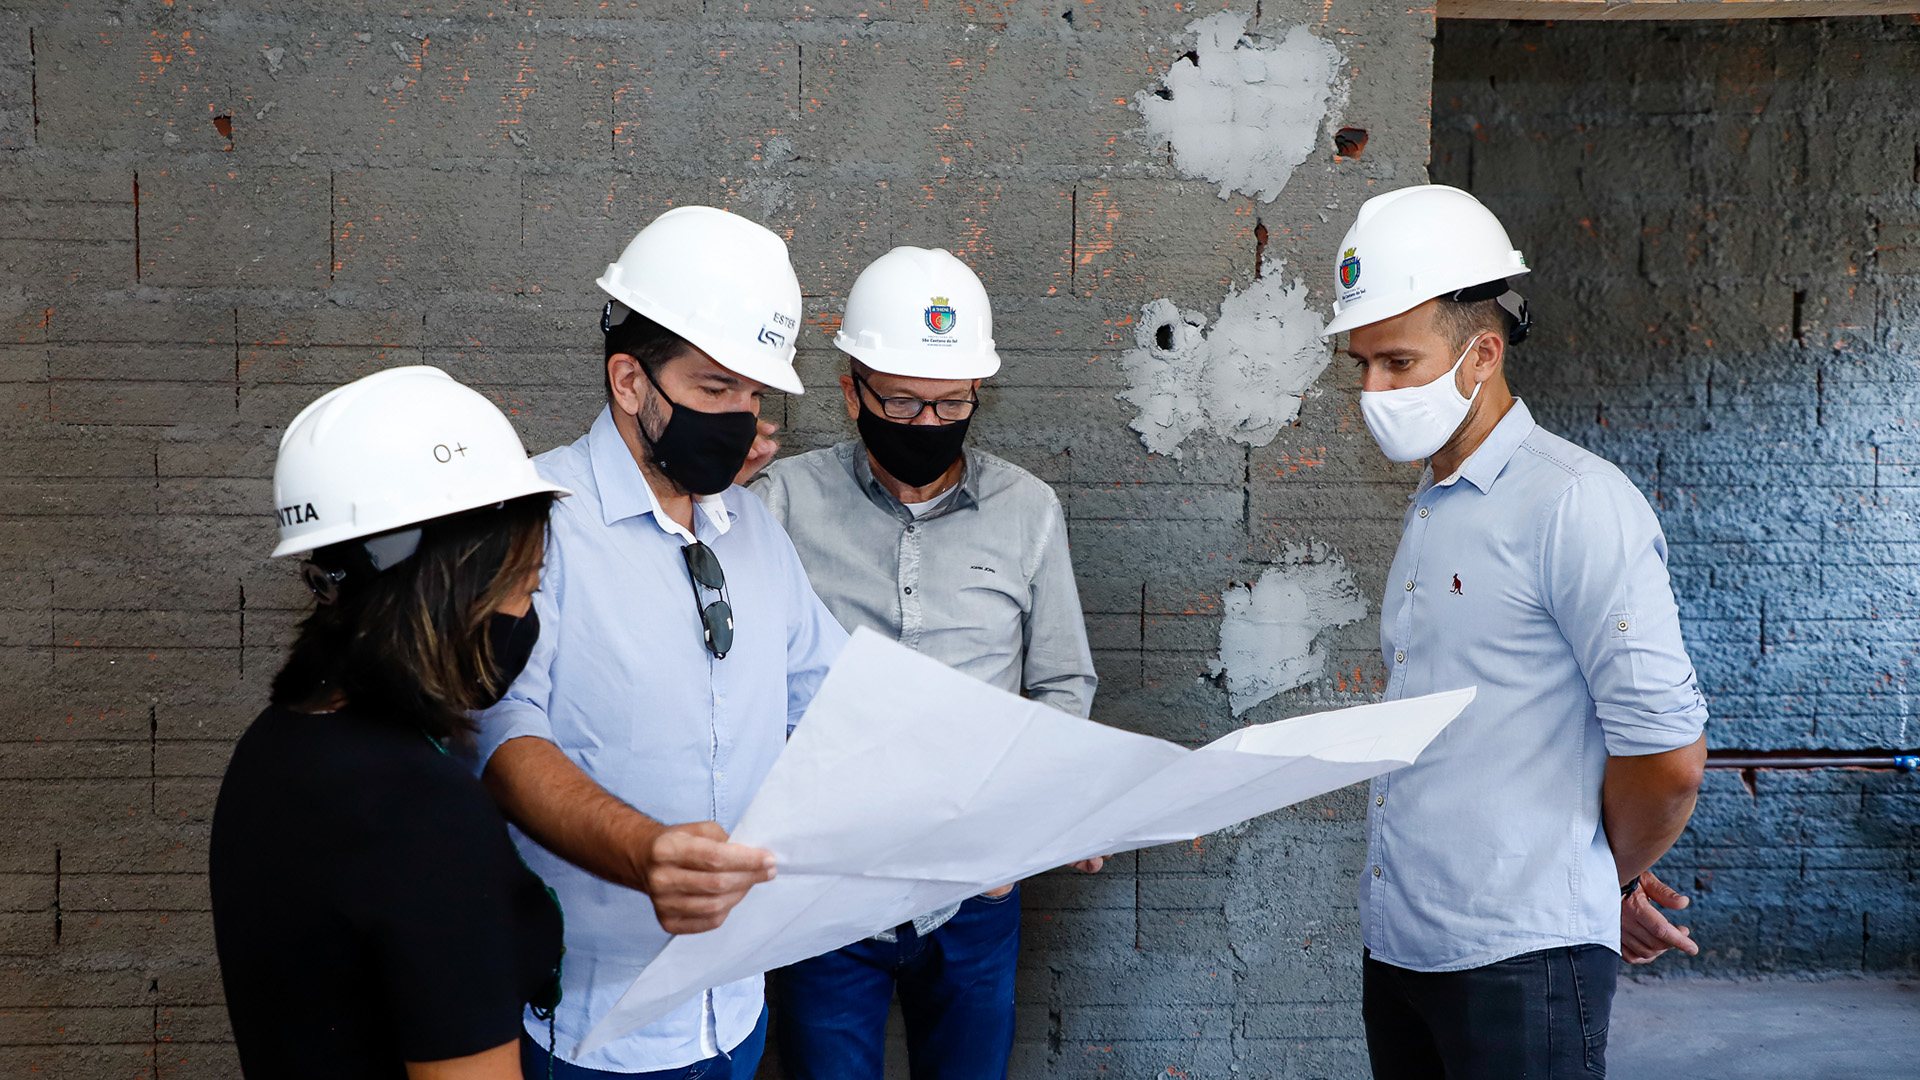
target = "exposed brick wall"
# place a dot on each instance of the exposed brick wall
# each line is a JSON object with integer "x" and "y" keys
{"x": 1725, "y": 221}
{"x": 212, "y": 210}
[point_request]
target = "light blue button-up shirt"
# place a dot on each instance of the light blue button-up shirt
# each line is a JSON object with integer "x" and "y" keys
{"x": 1537, "y": 573}
{"x": 622, "y": 682}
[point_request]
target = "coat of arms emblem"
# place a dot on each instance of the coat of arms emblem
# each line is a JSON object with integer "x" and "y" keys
{"x": 940, "y": 316}
{"x": 1349, "y": 269}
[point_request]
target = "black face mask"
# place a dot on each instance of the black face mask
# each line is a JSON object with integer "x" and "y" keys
{"x": 511, "y": 638}
{"x": 701, "y": 451}
{"x": 914, "y": 454}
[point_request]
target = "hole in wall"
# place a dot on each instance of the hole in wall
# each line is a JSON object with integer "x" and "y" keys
{"x": 1799, "y": 305}
{"x": 1163, "y": 337}
{"x": 223, "y": 125}
{"x": 1192, "y": 56}
{"x": 1067, "y": 15}
{"x": 1350, "y": 141}
{"x": 1163, "y": 94}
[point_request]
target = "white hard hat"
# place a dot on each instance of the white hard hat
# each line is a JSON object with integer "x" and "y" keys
{"x": 1412, "y": 245}
{"x": 920, "y": 313}
{"x": 721, "y": 282}
{"x": 396, "y": 448}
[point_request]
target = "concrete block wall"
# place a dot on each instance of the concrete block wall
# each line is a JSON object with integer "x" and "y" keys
{"x": 213, "y": 210}
{"x": 1722, "y": 220}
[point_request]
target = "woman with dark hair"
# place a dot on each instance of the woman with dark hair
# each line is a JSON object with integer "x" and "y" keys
{"x": 371, "y": 914}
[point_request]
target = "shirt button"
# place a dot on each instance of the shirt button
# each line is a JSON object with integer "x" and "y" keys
{"x": 1623, "y": 624}
{"x": 1376, "y": 871}
{"x": 909, "y": 590}
{"x": 1423, "y": 511}
{"x": 1379, "y": 800}
{"x": 909, "y": 528}
{"x": 1409, "y": 586}
{"x": 1399, "y": 658}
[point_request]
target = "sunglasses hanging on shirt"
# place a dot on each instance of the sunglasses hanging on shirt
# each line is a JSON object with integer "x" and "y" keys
{"x": 716, "y": 619}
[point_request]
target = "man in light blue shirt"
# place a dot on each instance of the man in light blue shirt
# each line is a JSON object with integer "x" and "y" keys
{"x": 1507, "y": 869}
{"x": 680, "y": 642}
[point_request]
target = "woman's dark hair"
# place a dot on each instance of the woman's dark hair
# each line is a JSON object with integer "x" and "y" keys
{"x": 650, "y": 344}
{"x": 409, "y": 644}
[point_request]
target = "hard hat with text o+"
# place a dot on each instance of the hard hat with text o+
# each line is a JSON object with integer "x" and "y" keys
{"x": 1409, "y": 246}
{"x": 922, "y": 314}
{"x": 396, "y": 448}
{"x": 721, "y": 282}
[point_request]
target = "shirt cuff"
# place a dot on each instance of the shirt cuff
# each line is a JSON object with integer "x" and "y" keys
{"x": 1633, "y": 733}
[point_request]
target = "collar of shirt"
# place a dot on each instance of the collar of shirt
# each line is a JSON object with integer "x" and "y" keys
{"x": 1486, "y": 463}
{"x": 625, "y": 492}
{"x": 853, "y": 454}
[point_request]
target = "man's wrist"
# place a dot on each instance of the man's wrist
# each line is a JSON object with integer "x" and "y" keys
{"x": 642, "y": 832}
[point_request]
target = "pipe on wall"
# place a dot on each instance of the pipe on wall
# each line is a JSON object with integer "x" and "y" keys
{"x": 1904, "y": 760}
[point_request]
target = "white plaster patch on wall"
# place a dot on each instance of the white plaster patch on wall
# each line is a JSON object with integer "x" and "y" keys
{"x": 1243, "y": 110}
{"x": 1270, "y": 638}
{"x": 1243, "y": 379}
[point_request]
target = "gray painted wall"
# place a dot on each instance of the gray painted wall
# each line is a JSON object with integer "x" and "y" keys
{"x": 1725, "y": 219}
{"x": 213, "y": 210}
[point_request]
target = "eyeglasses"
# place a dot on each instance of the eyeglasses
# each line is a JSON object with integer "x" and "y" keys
{"x": 909, "y": 408}
{"x": 717, "y": 618}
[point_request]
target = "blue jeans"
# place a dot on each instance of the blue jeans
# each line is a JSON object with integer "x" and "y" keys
{"x": 956, "y": 995}
{"x": 1538, "y": 1016}
{"x": 736, "y": 1064}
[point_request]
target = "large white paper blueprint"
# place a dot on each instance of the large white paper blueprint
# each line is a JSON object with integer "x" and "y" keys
{"x": 909, "y": 786}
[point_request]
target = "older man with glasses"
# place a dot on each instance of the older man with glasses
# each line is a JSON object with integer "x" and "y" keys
{"x": 679, "y": 644}
{"x": 962, "y": 556}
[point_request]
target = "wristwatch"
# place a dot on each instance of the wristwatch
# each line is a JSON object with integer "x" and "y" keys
{"x": 1628, "y": 889}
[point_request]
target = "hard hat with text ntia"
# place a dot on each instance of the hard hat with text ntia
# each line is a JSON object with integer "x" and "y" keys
{"x": 1412, "y": 245}
{"x": 396, "y": 448}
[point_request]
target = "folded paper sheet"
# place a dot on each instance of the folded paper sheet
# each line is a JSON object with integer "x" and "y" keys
{"x": 909, "y": 786}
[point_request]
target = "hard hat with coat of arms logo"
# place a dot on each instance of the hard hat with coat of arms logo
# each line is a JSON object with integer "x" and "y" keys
{"x": 1418, "y": 243}
{"x": 920, "y": 313}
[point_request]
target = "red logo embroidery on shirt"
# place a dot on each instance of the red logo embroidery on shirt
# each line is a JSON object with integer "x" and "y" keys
{"x": 1456, "y": 586}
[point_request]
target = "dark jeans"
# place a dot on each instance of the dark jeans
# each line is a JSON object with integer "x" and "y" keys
{"x": 1541, "y": 1016}
{"x": 956, "y": 995}
{"x": 736, "y": 1064}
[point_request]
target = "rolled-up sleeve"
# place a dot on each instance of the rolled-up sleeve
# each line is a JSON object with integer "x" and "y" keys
{"x": 523, "y": 710}
{"x": 1058, "y": 669}
{"x": 1604, "y": 570}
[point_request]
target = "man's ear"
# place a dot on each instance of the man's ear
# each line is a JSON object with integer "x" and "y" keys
{"x": 624, "y": 376}
{"x": 1488, "y": 353}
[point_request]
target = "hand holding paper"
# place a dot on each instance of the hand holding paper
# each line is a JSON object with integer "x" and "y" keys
{"x": 878, "y": 812}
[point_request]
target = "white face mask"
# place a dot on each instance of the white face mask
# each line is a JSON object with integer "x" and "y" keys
{"x": 1414, "y": 422}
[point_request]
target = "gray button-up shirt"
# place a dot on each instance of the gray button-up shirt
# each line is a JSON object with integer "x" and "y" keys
{"x": 982, "y": 582}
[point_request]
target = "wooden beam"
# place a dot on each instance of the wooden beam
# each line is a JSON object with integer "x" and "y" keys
{"x": 1570, "y": 10}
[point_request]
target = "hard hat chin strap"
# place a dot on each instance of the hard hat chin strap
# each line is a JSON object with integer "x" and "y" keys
{"x": 1511, "y": 302}
{"x": 614, "y": 314}
{"x": 332, "y": 565}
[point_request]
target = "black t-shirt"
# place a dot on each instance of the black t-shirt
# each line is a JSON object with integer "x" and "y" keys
{"x": 368, "y": 905}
